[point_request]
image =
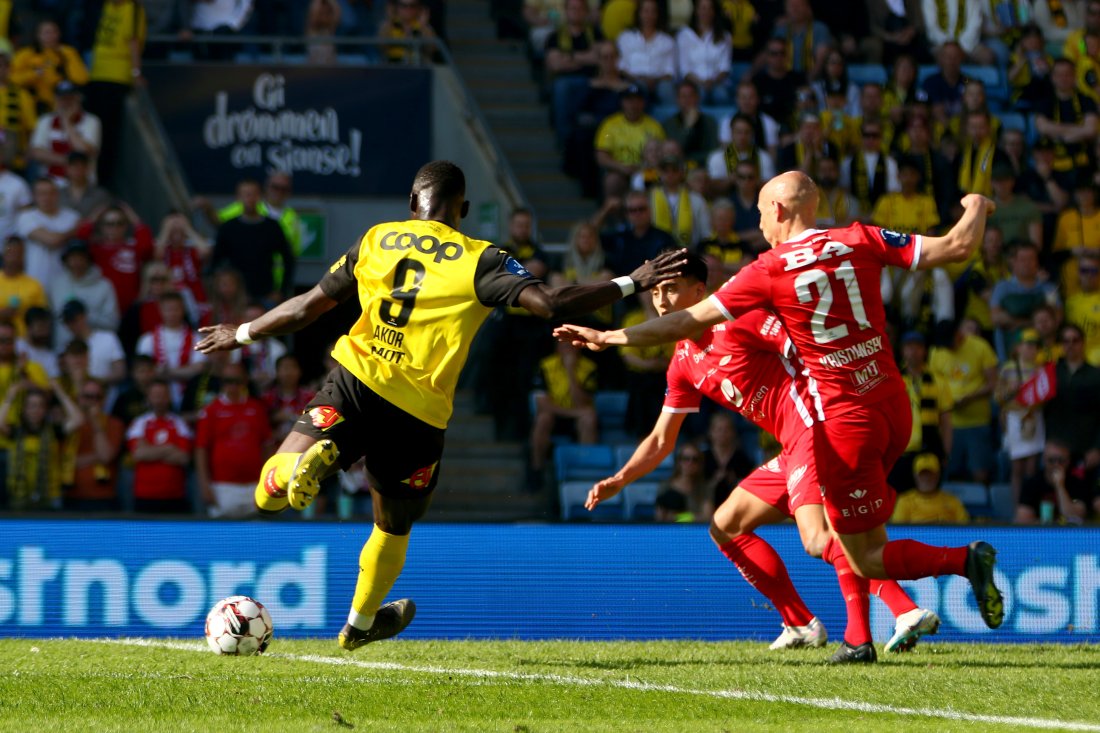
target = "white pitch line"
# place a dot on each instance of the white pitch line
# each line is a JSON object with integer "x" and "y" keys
{"x": 823, "y": 703}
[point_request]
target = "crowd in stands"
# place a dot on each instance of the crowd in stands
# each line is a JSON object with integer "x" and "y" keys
{"x": 672, "y": 113}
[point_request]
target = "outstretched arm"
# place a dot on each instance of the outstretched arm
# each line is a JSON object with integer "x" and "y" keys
{"x": 287, "y": 317}
{"x": 575, "y": 300}
{"x": 649, "y": 453}
{"x": 663, "y": 330}
{"x": 965, "y": 237}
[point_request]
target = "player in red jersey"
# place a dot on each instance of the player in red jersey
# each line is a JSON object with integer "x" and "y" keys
{"x": 742, "y": 366}
{"x": 824, "y": 286}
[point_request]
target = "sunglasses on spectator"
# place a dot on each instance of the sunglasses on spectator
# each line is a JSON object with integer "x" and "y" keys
{"x": 691, "y": 457}
{"x": 1056, "y": 460}
{"x": 872, "y": 133}
{"x": 1071, "y": 339}
{"x": 113, "y": 222}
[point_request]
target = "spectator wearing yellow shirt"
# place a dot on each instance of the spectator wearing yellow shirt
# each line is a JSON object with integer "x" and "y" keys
{"x": 979, "y": 154}
{"x": 743, "y": 19}
{"x": 969, "y": 366}
{"x": 729, "y": 251}
{"x": 836, "y": 207}
{"x": 622, "y": 136}
{"x": 1083, "y": 307}
{"x": 38, "y": 68}
{"x": 645, "y": 370}
{"x": 928, "y": 503}
{"x": 1045, "y": 321}
{"x": 980, "y": 274}
{"x": 1074, "y": 46}
{"x": 17, "y": 115}
{"x": 930, "y": 400}
{"x": 1078, "y": 230}
{"x": 908, "y": 210}
{"x": 841, "y": 129}
{"x": 18, "y": 290}
{"x": 116, "y": 67}
{"x": 563, "y": 403}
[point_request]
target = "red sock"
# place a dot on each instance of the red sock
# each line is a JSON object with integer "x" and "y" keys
{"x": 893, "y": 595}
{"x": 764, "y": 570}
{"x": 911, "y": 560}
{"x": 856, "y": 600}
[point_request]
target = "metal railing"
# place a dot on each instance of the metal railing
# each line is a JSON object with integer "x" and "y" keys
{"x": 363, "y": 50}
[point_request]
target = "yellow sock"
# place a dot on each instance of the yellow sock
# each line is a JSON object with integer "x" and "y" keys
{"x": 274, "y": 477}
{"x": 380, "y": 563}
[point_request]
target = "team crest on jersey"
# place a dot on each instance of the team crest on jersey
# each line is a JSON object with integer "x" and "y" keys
{"x": 338, "y": 264}
{"x": 772, "y": 465}
{"x": 325, "y": 416}
{"x": 895, "y": 239}
{"x": 513, "y": 266}
{"x": 421, "y": 477}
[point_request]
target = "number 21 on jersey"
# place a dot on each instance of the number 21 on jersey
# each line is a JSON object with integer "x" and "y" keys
{"x": 817, "y": 283}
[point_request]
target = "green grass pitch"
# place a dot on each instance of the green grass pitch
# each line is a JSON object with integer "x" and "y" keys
{"x": 531, "y": 687}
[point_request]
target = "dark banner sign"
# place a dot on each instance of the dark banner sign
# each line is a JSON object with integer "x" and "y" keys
{"x": 345, "y": 131}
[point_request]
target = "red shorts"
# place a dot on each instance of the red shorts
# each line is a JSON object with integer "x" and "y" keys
{"x": 855, "y": 451}
{"x": 788, "y": 481}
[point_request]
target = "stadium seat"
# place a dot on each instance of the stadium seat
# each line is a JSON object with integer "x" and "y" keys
{"x": 641, "y": 499}
{"x": 1013, "y": 121}
{"x": 572, "y": 494}
{"x": 973, "y": 495}
{"x": 738, "y": 70}
{"x": 583, "y": 462}
{"x": 611, "y": 413}
{"x": 1001, "y": 502}
{"x": 860, "y": 74}
{"x": 924, "y": 71}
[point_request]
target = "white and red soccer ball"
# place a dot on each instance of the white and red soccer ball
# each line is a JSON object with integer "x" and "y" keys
{"x": 238, "y": 626}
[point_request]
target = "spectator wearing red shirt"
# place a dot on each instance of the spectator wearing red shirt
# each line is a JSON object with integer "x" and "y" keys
{"x": 120, "y": 245}
{"x": 172, "y": 345}
{"x": 287, "y": 398}
{"x": 185, "y": 251}
{"x": 233, "y": 439}
{"x": 160, "y": 443}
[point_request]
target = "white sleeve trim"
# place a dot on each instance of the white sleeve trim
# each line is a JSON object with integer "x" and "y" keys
{"x": 679, "y": 410}
{"x": 722, "y": 308}
{"x": 916, "y": 251}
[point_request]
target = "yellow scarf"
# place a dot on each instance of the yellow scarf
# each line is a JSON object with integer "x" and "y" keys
{"x": 1068, "y": 156}
{"x": 834, "y": 209}
{"x": 806, "y": 53}
{"x": 861, "y": 180}
{"x": 943, "y": 17}
{"x": 976, "y": 170}
{"x": 735, "y": 156}
{"x": 662, "y": 214}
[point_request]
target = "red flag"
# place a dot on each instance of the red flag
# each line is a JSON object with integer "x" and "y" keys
{"x": 1041, "y": 387}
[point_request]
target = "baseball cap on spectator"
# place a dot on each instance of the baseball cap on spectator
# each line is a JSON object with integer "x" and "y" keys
{"x": 926, "y": 462}
{"x": 633, "y": 90}
{"x": 74, "y": 246}
{"x": 1029, "y": 336}
{"x": 913, "y": 337}
{"x": 66, "y": 87}
{"x": 73, "y": 309}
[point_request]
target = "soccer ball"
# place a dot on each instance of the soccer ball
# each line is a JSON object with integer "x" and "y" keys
{"x": 238, "y": 626}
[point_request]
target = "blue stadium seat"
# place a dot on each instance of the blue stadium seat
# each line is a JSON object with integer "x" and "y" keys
{"x": 1001, "y": 502}
{"x": 583, "y": 462}
{"x": 973, "y": 495}
{"x": 662, "y": 112}
{"x": 860, "y": 74}
{"x": 924, "y": 71}
{"x": 611, "y": 413}
{"x": 641, "y": 499}
{"x": 1013, "y": 121}
{"x": 738, "y": 69}
{"x": 572, "y": 494}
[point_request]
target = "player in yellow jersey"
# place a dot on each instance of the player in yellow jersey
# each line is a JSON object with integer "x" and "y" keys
{"x": 425, "y": 289}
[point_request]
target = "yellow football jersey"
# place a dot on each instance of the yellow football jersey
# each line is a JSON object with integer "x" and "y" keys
{"x": 425, "y": 289}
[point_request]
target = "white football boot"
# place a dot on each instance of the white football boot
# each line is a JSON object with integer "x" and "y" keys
{"x": 812, "y": 634}
{"x": 910, "y": 627}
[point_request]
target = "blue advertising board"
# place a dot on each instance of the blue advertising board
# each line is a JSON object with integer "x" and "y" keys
{"x": 158, "y": 578}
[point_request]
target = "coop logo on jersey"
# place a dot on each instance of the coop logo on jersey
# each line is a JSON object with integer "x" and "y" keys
{"x": 795, "y": 477}
{"x": 325, "y": 416}
{"x": 338, "y": 264}
{"x": 427, "y": 244}
{"x": 512, "y": 265}
{"x": 895, "y": 239}
{"x": 421, "y": 478}
{"x": 858, "y": 494}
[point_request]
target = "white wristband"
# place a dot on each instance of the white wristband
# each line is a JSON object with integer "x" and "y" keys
{"x": 626, "y": 284}
{"x": 242, "y": 334}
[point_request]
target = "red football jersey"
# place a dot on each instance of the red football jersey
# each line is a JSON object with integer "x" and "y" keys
{"x": 825, "y": 287}
{"x": 159, "y": 479}
{"x": 741, "y": 366}
{"x": 234, "y": 433}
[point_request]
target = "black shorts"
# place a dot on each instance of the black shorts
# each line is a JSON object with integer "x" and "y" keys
{"x": 402, "y": 453}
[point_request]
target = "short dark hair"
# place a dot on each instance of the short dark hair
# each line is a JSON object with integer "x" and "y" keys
{"x": 35, "y": 314}
{"x": 172, "y": 295}
{"x": 142, "y": 359}
{"x": 442, "y": 179}
{"x": 695, "y": 267}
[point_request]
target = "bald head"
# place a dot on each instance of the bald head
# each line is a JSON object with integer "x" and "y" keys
{"x": 788, "y": 205}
